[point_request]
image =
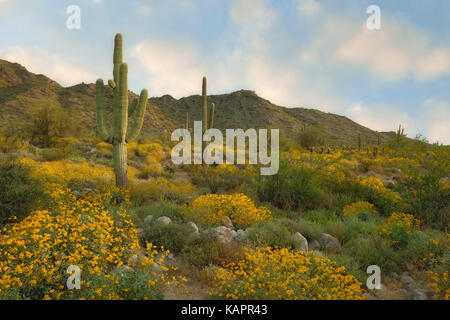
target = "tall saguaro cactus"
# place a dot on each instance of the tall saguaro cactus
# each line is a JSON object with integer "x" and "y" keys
{"x": 120, "y": 135}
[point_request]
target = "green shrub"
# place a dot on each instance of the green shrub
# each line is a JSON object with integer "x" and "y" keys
{"x": 374, "y": 251}
{"x": 271, "y": 234}
{"x": 319, "y": 216}
{"x": 201, "y": 252}
{"x": 20, "y": 193}
{"x": 158, "y": 209}
{"x": 292, "y": 188}
{"x": 355, "y": 228}
{"x": 172, "y": 236}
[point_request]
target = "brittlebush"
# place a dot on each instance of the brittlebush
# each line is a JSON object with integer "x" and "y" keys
{"x": 283, "y": 274}
{"x": 36, "y": 252}
{"x": 211, "y": 209}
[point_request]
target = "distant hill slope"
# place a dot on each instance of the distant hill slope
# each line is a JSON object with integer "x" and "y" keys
{"x": 20, "y": 90}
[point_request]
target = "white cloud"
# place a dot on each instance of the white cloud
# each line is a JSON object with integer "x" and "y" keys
{"x": 308, "y": 7}
{"x": 432, "y": 119}
{"x": 397, "y": 50}
{"x": 380, "y": 117}
{"x": 40, "y": 61}
{"x": 144, "y": 9}
{"x": 435, "y": 115}
{"x": 170, "y": 68}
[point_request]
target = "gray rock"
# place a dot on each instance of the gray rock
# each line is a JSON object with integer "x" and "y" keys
{"x": 163, "y": 220}
{"x": 393, "y": 275}
{"x": 329, "y": 243}
{"x": 419, "y": 295}
{"x": 406, "y": 279}
{"x": 240, "y": 235}
{"x": 141, "y": 233}
{"x": 302, "y": 242}
{"x": 156, "y": 268}
{"x": 122, "y": 270}
{"x": 314, "y": 245}
{"x": 148, "y": 220}
{"x": 193, "y": 227}
{"x": 227, "y": 222}
{"x": 222, "y": 234}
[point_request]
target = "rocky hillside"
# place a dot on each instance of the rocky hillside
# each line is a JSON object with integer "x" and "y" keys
{"x": 20, "y": 90}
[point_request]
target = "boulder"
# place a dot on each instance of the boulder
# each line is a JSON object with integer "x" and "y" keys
{"x": 227, "y": 222}
{"x": 419, "y": 295}
{"x": 148, "y": 220}
{"x": 329, "y": 243}
{"x": 240, "y": 235}
{"x": 193, "y": 227}
{"x": 163, "y": 220}
{"x": 405, "y": 278}
{"x": 314, "y": 245}
{"x": 222, "y": 234}
{"x": 302, "y": 242}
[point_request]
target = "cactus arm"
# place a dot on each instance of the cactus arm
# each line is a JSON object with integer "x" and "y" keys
{"x": 140, "y": 112}
{"x": 205, "y": 105}
{"x": 211, "y": 116}
{"x": 118, "y": 57}
{"x": 112, "y": 84}
{"x": 101, "y": 111}
{"x": 132, "y": 108}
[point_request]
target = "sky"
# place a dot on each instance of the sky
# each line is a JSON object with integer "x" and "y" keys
{"x": 296, "y": 53}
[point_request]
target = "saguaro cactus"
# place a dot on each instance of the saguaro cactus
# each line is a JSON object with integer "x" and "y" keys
{"x": 207, "y": 123}
{"x": 121, "y": 136}
{"x": 359, "y": 142}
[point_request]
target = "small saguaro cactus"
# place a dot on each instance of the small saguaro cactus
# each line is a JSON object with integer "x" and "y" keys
{"x": 207, "y": 123}
{"x": 187, "y": 121}
{"x": 359, "y": 142}
{"x": 120, "y": 135}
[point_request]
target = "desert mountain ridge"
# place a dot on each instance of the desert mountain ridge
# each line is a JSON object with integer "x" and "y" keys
{"x": 20, "y": 90}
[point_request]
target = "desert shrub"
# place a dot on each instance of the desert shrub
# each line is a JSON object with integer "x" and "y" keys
{"x": 55, "y": 154}
{"x": 363, "y": 210}
{"x": 355, "y": 228}
{"x": 309, "y": 229}
{"x": 427, "y": 191}
{"x": 262, "y": 275}
{"x": 159, "y": 189}
{"x": 211, "y": 209}
{"x": 369, "y": 251}
{"x": 319, "y": 216}
{"x": 201, "y": 251}
{"x": 172, "y": 236}
{"x": 157, "y": 209}
{"x": 223, "y": 178}
{"x": 291, "y": 188}
{"x": 48, "y": 122}
{"x": 20, "y": 192}
{"x": 312, "y": 137}
{"x": 270, "y": 234}
{"x": 154, "y": 170}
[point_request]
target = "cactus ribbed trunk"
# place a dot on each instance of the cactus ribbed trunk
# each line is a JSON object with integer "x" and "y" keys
{"x": 120, "y": 158}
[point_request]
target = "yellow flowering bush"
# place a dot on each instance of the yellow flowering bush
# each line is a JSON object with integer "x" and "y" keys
{"x": 283, "y": 274}
{"x": 74, "y": 174}
{"x": 211, "y": 209}
{"x": 359, "y": 208}
{"x": 439, "y": 281}
{"x": 399, "y": 227}
{"x": 36, "y": 253}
